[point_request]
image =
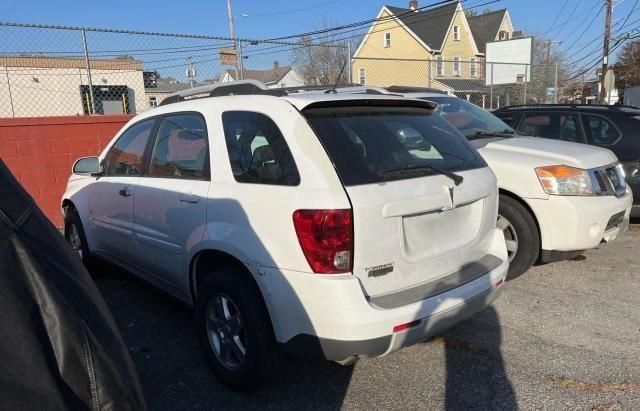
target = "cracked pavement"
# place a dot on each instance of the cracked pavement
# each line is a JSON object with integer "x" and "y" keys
{"x": 563, "y": 335}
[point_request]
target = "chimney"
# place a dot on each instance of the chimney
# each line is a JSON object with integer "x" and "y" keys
{"x": 413, "y": 4}
{"x": 276, "y": 66}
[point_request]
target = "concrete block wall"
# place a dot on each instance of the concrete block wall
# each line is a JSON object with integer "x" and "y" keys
{"x": 40, "y": 151}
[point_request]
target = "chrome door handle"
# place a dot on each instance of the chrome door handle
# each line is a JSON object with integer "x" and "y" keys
{"x": 189, "y": 198}
{"x": 125, "y": 192}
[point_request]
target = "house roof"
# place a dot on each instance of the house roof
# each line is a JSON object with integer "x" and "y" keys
{"x": 464, "y": 85}
{"x": 431, "y": 26}
{"x": 65, "y": 62}
{"x": 485, "y": 27}
{"x": 266, "y": 76}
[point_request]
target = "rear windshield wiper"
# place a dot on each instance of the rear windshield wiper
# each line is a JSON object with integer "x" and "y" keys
{"x": 487, "y": 133}
{"x": 457, "y": 179}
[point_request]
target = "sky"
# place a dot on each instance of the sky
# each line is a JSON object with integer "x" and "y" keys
{"x": 576, "y": 24}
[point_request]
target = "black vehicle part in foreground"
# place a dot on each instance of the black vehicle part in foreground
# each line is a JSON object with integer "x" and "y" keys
{"x": 59, "y": 346}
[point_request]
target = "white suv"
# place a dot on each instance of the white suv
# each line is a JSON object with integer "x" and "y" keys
{"x": 332, "y": 225}
{"x": 557, "y": 198}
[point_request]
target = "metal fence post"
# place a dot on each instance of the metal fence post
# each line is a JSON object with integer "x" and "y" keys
{"x": 555, "y": 85}
{"x": 526, "y": 71}
{"x": 491, "y": 88}
{"x": 88, "y": 66}
{"x": 430, "y": 74}
{"x": 6, "y": 72}
{"x": 349, "y": 74}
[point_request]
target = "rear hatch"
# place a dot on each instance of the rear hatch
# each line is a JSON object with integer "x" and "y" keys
{"x": 412, "y": 225}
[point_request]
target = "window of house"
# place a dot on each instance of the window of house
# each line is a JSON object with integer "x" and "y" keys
{"x": 127, "y": 156}
{"x": 599, "y": 130}
{"x": 181, "y": 149}
{"x": 503, "y": 35}
{"x": 473, "y": 67}
{"x": 153, "y": 102}
{"x": 258, "y": 152}
{"x": 439, "y": 66}
{"x": 456, "y": 33}
{"x": 387, "y": 39}
{"x": 456, "y": 66}
{"x": 363, "y": 76}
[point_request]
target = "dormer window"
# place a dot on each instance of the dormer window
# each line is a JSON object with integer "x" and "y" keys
{"x": 456, "y": 33}
{"x": 387, "y": 39}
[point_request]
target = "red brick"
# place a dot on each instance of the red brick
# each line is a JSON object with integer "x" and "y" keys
{"x": 53, "y": 132}
{"x": 62, "y": 174}
{"x": 60, "y": 145}
{"x": 52, "y": 191}
{"x": 28, "y": 147}
{"x": 55, "y": 161}
{"x": 40, "y": 177}
{"x": 15, "y": 133}
{"x": 19, "y": 165}
{"x": 8, "y": 149}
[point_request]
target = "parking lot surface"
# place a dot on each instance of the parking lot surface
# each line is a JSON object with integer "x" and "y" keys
{"x": 563, "y": 335}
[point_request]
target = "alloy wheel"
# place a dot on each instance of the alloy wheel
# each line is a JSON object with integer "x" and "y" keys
{"x": 510, "y": 236}
{"x": 226, "y": 332}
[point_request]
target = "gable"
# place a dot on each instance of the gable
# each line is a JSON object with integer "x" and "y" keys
{"x": 465, "y": 47}
{"x": 485, "y": 27}
{"x": 430, "y": 26}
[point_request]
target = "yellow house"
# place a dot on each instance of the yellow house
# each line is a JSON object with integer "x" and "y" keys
{"x": 436, "y": 47}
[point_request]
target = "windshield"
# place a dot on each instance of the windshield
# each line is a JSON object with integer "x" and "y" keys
{"x": 471, "y": 120}
{"x": 375, "y": 144}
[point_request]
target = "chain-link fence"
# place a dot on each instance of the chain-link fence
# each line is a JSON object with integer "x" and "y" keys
{"x": 53, "y": 70}
{"x": 489, "y": 85}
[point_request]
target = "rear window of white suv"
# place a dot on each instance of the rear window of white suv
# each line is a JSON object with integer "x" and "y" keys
{"x": 369, "y": 144}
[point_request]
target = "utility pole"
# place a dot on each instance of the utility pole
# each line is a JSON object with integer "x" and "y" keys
{"x": 232, "y": 33}
{"x": 605, "y": 53}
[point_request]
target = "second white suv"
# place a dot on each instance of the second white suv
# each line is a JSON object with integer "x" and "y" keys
{"x": 332, "y": 225}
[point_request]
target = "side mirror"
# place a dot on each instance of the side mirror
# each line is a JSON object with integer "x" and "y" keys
{"x": 87, "y": 165}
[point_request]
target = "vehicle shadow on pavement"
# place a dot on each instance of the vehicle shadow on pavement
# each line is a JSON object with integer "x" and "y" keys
{"x": 159, "y": 332}
{"x": 475, "y": 374}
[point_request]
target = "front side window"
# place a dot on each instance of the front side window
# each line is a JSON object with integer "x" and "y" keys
{"x": 258, "y": 152}
{"x": 456, "y": 33}
{"x": 369, "y": 144}
{"x": 557, "y": 126}
{"x": 181, "y": 149}
{"x": 363, "y": 76}
{"x": 469, "y": 119}
{"x": 439, "y": 66}
{"x": 127, "y": 156}
{"x": 387, "y": 39}
{"x": 456, "y": 66}
{"x": 599, "y": 130}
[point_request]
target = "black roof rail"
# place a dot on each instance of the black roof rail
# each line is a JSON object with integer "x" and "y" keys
{"x": 231, "y": 88}
{"x": 603, "y": 106}
{"x": 413, "y": 89}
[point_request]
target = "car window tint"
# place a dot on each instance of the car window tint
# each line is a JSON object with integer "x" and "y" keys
{"x": 599, "y": 130}
{"x": 507, "y": 118}
{"x": 127, "y": 156}
{"x": 557, "y": 126}
{"x": 373, "y": 144}
{"x": 258, "y": 152}
{"x": 181, "y": 149}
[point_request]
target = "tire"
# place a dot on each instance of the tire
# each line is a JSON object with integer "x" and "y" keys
{"x": 521, "y": 235}
{"x": 74, "y": 234}
{"x": 248, "y": 326}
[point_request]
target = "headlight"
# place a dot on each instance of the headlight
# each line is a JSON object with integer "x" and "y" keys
{"x": 565, "y": 180}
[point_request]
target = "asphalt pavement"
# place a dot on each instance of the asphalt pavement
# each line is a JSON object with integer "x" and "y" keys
{"x": 563, "y": 335}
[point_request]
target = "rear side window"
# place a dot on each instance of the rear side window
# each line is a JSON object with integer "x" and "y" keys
{"x": 258, "y": 152}
{"x": 599, "y": 130}
{"x": 181, "y": 149}
{"x": 557, "y": 126}
{"x": 127, "y": 156}
{"x": 375, "y": 144}
{"x": 508, "y": 118}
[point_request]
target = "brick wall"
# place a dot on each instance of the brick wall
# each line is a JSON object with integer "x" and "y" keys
{"x": 41, "y": 151}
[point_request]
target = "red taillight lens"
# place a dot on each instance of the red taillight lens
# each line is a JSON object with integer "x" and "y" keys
{"x": 326, "y": 238}
{"x": 402, "y": 327}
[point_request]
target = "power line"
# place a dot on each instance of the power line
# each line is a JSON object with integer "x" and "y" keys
{"x": 558, "y": 15}
{"x": 277, "y": 13}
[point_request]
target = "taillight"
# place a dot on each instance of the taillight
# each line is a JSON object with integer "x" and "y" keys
{"x": 326, "y": 238}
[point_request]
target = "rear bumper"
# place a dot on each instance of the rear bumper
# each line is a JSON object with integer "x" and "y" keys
{"x": 337, "y": 350}
{"x": 329, "y": 316}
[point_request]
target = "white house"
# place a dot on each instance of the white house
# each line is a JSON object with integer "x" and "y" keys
{"x": 277, "y": 77}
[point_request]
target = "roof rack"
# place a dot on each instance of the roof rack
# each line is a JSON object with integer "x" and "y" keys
{"x": 248, "y": 87}
{"x": 412, "y": 89}
{"x": 231, "y": 88}
{"x": 604, "y": 106}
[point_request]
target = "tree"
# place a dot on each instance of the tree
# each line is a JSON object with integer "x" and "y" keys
{"x": 474, "y": 12}
{"x": 628, "y": 65}
{"x": 322, "y": 64}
